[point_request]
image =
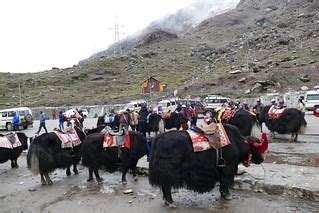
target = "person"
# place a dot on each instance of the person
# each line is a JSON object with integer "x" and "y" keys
{"x": 126, "y": 119}
{"x": 69, "y": 127}
{"x": 134, "y": 120}
{"x": 178, "y": 108}
{"x": 184, "y": 115}
{"x": 143, "y": 113}
{"x": 15, "y": 121}
{"x": 159, "y": 109}
{"x": 257, "y": 109}
{"x": 281, "y": 104}
{"x": 231, "y": 104}
{"x": 192, "y": 115}
{"x": 42, "y": 123}
{"x": 61, "y": 121}
{"x": 237, "y": 105}
{"x": 301, "y": 105}
{"x": 245, "y": 106}
{"x": 53, "y": 113}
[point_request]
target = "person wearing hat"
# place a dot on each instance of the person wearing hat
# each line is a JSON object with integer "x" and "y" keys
{"x": 258, "y": 107}
{"x": 184, "y": 115}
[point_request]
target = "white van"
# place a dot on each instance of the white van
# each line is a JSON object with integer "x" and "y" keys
{"x": 6, "y": 115}
{"x": 311, "y": 99}
{"x": 168, "y": 105}
{"x": 212, "y": 101}
{"x": 133, "y": 105}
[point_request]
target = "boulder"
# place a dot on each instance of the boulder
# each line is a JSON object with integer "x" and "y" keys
{"x": 304, "y": 78}
{"x": 242, "y": 80}
{"x": 257, "y": 87}
{"x": 236, "y": 72}
{"x": 304, "y": 88}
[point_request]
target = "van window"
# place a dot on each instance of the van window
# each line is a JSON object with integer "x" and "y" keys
{"x": 168, "y": 104}
{"x": 4, "y": 114}
{"x": 312, "y": 97}
{"x": 10, "y": 114}
{"x": 173, "y": 103}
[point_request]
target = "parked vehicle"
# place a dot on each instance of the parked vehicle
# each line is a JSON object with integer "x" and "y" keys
{"x": 168, "y": 105}
{"x": 85, "y": 113}
{"x": 311, "y": 99}
{"x": 6, "y": 115}
{"x": 199, "y": 106}
{"x": 133, "y": 105}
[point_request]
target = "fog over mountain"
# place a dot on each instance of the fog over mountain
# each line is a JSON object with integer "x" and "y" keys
{"x": 177, "y": 23}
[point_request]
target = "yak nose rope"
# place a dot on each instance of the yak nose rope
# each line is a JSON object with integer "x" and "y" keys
{"x": 258, "y": 178}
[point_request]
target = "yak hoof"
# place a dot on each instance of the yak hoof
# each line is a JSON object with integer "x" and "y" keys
{"x": 100, "y": 180}
{"x": 124, "y": 182}
{"x": 90, "y": 180}
{"x": 50, "y": 182}
{"x": 43, "y": 183}
{"x": 172, "y": 205}
{"x": 76, "y": 172}
{"x": 135, "y": 179}
{"x": 227, "y": 196}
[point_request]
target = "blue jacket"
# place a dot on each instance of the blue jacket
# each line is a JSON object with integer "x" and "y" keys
{"x": 61, "y": 118}
{"x": 42, "y": 118}
{"x": 16, "y": 119}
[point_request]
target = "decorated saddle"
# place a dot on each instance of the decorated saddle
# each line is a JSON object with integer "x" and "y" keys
{"x": 228, "y": 114}
{"x": 211, "y": 137}
{"x": 10, "y": 141}
{"x": 68, "y": 139}
{"x": 121, "y": 139}
{"x": 274, "y": 113}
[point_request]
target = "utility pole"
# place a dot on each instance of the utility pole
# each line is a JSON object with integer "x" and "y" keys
{"x": 117, "y": 32}
{"x": 19, "y": 95}
{"x": 151, "y": 86}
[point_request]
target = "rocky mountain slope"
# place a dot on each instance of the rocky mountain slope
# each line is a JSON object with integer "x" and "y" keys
{"x": 261, "y": 46}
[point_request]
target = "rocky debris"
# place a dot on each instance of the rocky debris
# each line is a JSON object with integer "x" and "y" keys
{"x": 258, "y": 87}
{"x": 30, "y": 81}
{"x": 262, "y": 22}
{"x": 304, "y": 78}
{"x": 248, "y": 91}
{"x": 242, "y": 80}
{"x": 149, "y": 54}
{"x": 156, "y": 36}
{"x": 128, "y": 191}
{"x": 235, "y": 72}
{"x": 304, "y": 88}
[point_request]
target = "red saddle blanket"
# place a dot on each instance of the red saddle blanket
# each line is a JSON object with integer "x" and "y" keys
{"x": 5, "y": 143}
{"x": 68, "y": 139}
{"x": 274, "y": 113}
{"x": 117, "y": 141}
{"x": 228, "y": 114}
{"x": 202, "y": 142}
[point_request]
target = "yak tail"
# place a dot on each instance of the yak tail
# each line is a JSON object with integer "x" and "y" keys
{"x": 256, "y": 130}
{"x": 34, "y": 164}
{"x": 302, "y": 129}
{"x": 161, "y": 126}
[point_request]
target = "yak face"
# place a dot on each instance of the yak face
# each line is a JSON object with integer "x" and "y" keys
{"x": 258, "y": 148}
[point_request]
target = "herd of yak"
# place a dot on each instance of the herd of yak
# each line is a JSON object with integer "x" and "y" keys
{"x": 173, "y": 162}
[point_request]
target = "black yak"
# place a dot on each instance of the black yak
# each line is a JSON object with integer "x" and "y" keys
{"x": 292, "y": 121}
{"x": 115, "y": 124}
{"x": 13, "y": 153}
{"x": 45, "y": 155}
{"x": 155, "y": 124}
{"x": 246, "y": 122}
{"x": 174, "y": 164}
{"x": 94, "y": 155}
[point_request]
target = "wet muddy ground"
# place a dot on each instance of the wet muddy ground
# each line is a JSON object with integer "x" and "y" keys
{"x": 20, "y": 191}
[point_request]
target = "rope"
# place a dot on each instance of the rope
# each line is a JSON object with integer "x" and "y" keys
{"x": 258, "y": 178}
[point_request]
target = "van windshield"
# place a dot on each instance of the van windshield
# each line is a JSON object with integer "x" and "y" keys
{"x": 215, "y": 101}
{"x": 313, "y": 97}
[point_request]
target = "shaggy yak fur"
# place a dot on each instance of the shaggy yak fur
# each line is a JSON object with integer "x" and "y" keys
{"x": 45, "y": 155}
{"x": 13, "y": 154}
{"x": 176, "y": 120}
{"x": 153, "y": 124}
{"x": 174, "y": 164}
{"x": 291, "y": 122}
{"x": 113, "y": 158}
{"x": 247, "y": 123}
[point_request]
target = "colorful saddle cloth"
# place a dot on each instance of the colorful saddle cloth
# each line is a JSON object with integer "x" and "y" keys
{"x": 6, "y": 143}
{"x": 228, "y": 114}
{"x": 212, "y": 137}
{"x": 274, "y": 113}
{"x": 68, "y": 139}
{"x": 117, "y": 140}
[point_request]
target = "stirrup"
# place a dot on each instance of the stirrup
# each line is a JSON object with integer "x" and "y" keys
{"x": 221, "y": 162}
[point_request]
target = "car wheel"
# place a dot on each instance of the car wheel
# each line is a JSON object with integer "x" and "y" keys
{"x": 9, "y": 126}
{"x": 28, "y": 118}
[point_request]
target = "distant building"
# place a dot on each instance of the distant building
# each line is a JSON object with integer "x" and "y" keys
{"x": 152, "y": 85}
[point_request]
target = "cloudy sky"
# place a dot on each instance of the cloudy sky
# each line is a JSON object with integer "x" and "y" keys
{"x": 37, "y": 35}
